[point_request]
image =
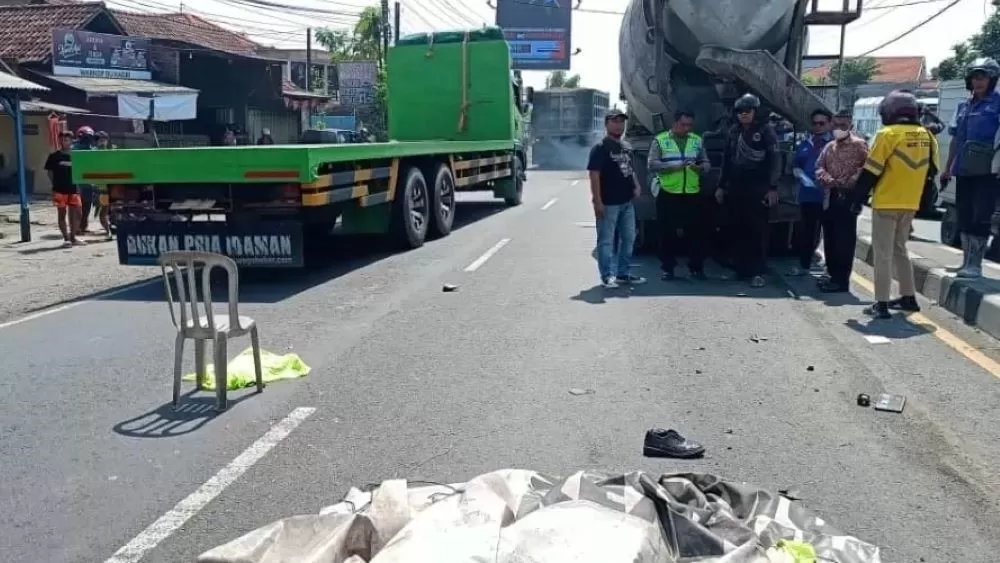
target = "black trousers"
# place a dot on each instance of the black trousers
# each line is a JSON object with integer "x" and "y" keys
{"x": 748, "y": 221}
{"x": 807, "y": 232}
{"x": 87, "y": 201}
{"x": 688, "y": 213}
{"x": 976, "y": 199}
{"x": 840, "y": 236}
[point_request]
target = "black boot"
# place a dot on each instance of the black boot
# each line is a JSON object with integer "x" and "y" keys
{"x": 906, "y": 303}
{"x": 879, "y": 310}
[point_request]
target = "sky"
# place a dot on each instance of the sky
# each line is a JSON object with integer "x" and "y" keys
{"x": 595, "y": 34}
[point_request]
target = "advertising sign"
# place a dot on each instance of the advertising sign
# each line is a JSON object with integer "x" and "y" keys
{"x": 273, "y": 244}
{"x": 96, "y": 55}
{"x": 538, "y": 32}
{"x": 356, "y": 83}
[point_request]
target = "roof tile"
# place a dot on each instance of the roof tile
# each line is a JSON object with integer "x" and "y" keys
{"x": 890, "y": 70}
{"x": 26, "y": 33}
{"x": 186, "y": 28}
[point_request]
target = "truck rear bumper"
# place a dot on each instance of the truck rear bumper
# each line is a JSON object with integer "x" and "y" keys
{"x": 262, "y": 244}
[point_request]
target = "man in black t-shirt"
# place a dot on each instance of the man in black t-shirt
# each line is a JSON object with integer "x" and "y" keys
{"x": 65, "y": 195}
{"x": 613, "y": 186}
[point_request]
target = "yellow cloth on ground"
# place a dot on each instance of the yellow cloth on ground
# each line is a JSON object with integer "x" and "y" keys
{"x": 240, "y": 373}
{"x": 791, "y": 551}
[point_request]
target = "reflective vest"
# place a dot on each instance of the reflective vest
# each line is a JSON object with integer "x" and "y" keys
{"x": 684, "y": 181}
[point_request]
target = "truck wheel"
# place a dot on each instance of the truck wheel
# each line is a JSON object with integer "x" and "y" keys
{"x": 410, "y": 211}
{"x": 949, "y": 227}
{"x": 442, "y": 202}
{"x": 518, "y": 196}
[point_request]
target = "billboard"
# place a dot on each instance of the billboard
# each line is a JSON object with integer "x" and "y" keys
{"x": 356, "y": 83}
{"x": 97, "y": 55}
{"x": 538, "y": 32}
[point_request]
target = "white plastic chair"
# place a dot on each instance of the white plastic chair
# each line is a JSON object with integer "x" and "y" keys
{"x": 210, "y": 326}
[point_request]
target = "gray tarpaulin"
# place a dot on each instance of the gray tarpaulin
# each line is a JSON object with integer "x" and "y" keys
{"x": 526, "y": 517}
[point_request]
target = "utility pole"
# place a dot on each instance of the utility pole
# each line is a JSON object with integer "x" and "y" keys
{"x": 840, "y": 65}
{"x": 309, "y": 59}
{"x": 395, "y": 23}
{"x": 386, "y": 29}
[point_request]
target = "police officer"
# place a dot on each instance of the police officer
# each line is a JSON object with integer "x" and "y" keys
{"x": 970, "y": 160}
{"x": 678, "y": 159}
{"x": 748, "y": 185}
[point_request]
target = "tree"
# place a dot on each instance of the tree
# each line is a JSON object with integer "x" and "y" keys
{"x": 855, "y": 72}
{"x": 953, "y": 67}
{"x": 362, "y": 43}
{"x": 559, "y": 79}
{"x": 987, "y": 42}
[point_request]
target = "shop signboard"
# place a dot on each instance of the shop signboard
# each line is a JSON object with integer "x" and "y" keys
{"x": 98, "y": 55}
{"x": 538, "y": 32}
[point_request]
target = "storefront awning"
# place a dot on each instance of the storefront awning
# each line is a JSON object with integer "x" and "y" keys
{"x": 38, "y": 106}
{"x": 110, "y": 87}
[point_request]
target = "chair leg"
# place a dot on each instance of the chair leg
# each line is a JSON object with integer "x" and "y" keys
{"x": 199, "y": 363}
{"x": 257, "y": 368}
{"x": 221, "y": 359}
{"x": 178, "y": 367}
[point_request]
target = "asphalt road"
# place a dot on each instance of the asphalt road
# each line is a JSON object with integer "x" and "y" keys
{"x": 409, "y": 381}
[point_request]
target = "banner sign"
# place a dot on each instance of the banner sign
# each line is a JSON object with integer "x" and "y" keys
{"x": 356, "y": 83}
{"x": 272, "y": 245}
{"x": 538, "y": 32}
{"x": 97, "y": 55}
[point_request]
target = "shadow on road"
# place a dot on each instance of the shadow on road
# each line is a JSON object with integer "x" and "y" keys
{"x": 343, "y": 255}
{"x": 897, "y": 328}
{"x": 166, "y": 422}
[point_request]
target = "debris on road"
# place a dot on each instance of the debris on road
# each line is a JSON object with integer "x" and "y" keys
{"x": 890, "y": 403}
{"x": 581, "y": 391}
{"x": 810, "y": 368}
{"x": 864, "y": 400}
{"x": 876, "y": 339}
{"x": 790, "y": 494}
{"x": 240, "y": 370}
{"x": 449, "y": 287}
{"x": 757, "y": 339}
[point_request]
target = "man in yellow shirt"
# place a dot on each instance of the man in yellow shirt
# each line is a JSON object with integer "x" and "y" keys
{"x": 902, "y": 158}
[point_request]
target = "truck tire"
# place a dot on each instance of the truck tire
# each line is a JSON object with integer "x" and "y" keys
{"x": 949, "y": 227}
{"x": 442, "y": 208}
{"x": 410, "y": 211}
{"x": 518, "y": 196}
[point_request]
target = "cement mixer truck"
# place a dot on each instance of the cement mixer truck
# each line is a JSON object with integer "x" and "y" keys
{"x": 699, "y": 56}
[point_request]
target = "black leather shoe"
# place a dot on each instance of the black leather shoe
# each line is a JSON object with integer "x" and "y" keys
{"x": 906, "y": 303}
{"x": 879, "y": 310}
{"x": 668, "y": 443}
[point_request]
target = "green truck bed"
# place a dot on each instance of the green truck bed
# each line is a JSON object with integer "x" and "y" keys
{"x": 249, "y": 164}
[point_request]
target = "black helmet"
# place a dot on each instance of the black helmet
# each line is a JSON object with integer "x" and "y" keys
{"x": 985, "y": 65}
{"x": 747, "y": 101}
{"x": 899, "y": 107}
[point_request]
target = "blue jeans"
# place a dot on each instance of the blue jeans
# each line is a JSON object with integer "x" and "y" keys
{"x": 620, "y": 218}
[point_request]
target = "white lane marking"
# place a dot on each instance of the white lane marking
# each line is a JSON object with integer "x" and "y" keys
{"x": 550, "y": 203}
{"x": 950, "y": 249}
{"x": 487, "y": 255}
{"x": 575, "y": 182}
{"x": 70, "y": 305}
{"x": 135, "y": 550}
{"x": 875, "y": 339}
{"x": 585, "y": 224}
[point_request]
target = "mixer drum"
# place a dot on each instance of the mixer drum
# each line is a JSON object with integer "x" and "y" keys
{"x": 688, "y": 25}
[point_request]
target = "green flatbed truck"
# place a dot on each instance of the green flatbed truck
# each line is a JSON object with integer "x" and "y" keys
{"x": 455, "y": 120}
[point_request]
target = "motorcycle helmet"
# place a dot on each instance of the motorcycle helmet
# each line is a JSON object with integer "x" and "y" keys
{"x": 899, "y": 107}
{"x": 85, "y": 131}
{"x": 747, "y": 102}
{"x": 985, "y": 65}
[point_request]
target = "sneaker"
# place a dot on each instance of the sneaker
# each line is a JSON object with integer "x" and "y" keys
{"x": 879, "y": 310}
{"x": 67, "y": 244}
{"x": 757, "y": 281}
{"x": 669, "y": 443}
{"x": 609, "y": 282}
{"x": 630, "y": 279}
{"x": 907, "y": 303}
{"x": 78, "y": 243}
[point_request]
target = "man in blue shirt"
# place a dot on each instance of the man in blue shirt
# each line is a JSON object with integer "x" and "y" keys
{"x": 811, "y": 194}
{"x": 974, "y": 131}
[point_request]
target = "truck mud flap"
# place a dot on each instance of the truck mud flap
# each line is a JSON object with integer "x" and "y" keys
{"x": 766, "y": 76}
{"x": 271, "y": 244}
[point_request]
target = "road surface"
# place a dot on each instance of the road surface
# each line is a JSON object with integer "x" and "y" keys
{"x": 409, "y": 381}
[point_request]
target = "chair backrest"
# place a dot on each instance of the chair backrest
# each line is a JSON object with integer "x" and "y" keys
{"x": 182, "y": 266}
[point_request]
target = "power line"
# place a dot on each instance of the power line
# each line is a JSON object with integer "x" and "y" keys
{"x": 460, "y": 13}
{"x": 950, "y": 5}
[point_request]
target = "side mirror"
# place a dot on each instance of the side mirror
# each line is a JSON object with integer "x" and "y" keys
{"x": 529, "y": 95}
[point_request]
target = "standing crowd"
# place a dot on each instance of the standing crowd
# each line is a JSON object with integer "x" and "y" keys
{"x": 837, "y": 172}
{"x": 75, "y": 202}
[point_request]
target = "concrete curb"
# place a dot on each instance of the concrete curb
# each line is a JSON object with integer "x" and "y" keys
{"x": 977, "y": 302}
